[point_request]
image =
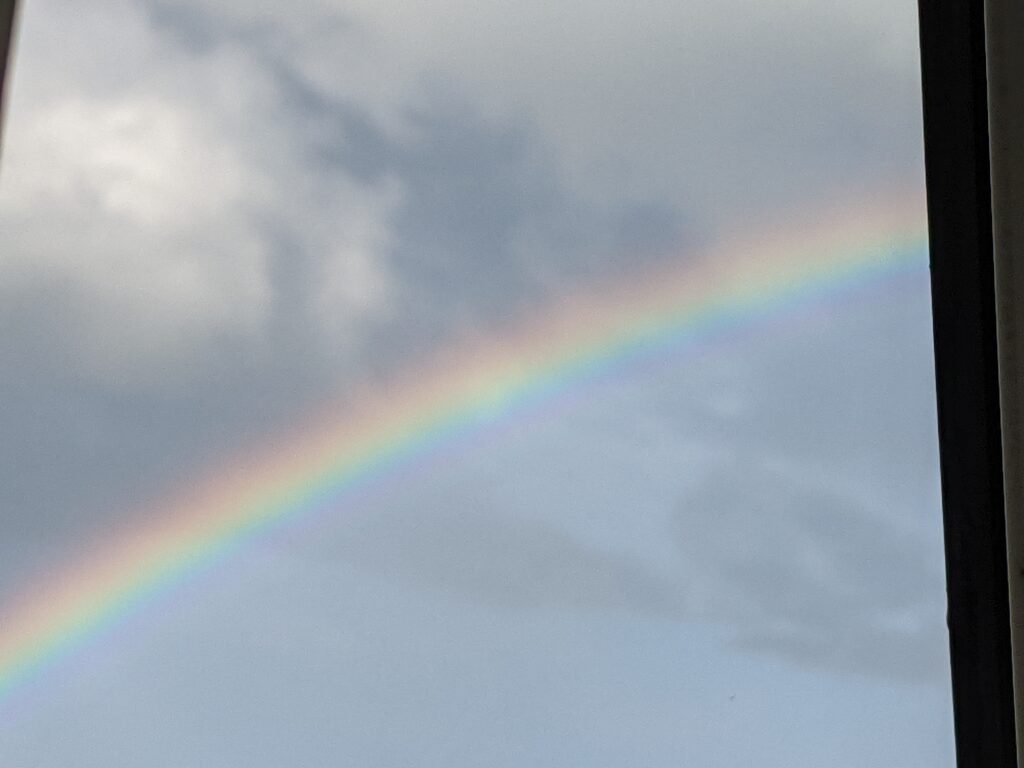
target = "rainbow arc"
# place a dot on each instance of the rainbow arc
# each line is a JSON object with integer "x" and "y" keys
{"x": 465, "y": 390}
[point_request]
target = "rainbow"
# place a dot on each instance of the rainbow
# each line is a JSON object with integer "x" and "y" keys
{"x": 470, "y": 388}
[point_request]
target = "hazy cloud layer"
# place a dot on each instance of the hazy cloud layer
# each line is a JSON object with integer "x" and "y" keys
{"x": 787, "y": 570}
{"x": 799, "y": 571}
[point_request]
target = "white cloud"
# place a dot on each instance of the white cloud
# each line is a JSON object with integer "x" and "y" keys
{"x": 143, "y": 161}
{"x": 127, "y": 214}
{"x": 141, "y": 184}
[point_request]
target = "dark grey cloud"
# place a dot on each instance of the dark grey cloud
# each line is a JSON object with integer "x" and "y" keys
{"x": 485, "y": 228}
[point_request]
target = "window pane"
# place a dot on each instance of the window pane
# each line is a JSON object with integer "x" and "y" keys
{"x": 459, "y": 384}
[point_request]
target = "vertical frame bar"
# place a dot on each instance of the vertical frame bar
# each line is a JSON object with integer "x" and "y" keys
{"x": 954, "y": 82}
{"x": 1004, "y": 53}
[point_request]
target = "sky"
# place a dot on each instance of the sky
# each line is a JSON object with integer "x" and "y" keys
{"x": 217, "y": 216}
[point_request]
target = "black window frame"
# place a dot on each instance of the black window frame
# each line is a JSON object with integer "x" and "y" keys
{"x": 957, "y": 166}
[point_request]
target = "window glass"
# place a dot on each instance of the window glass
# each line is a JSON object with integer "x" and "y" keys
{"x": 460, "y": 384}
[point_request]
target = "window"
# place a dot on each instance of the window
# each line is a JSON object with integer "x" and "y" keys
{"x": 468, "y": 384}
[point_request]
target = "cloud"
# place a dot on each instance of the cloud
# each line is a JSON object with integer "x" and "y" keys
{"x": 324, "y": 195}
{"x": 121, "y": 217}
{"x": 141, "y": 215}
{"x": 801, "y": 571}
{"x": 223, "y": 205}
{"x": 487, "y": 230}
{"x": 724, "y": 109}
{"x": 506, "y": 561}
{"x": 788, "y": 569}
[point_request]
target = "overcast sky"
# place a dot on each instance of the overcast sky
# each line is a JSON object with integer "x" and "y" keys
{"x": 215, "y": 215}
